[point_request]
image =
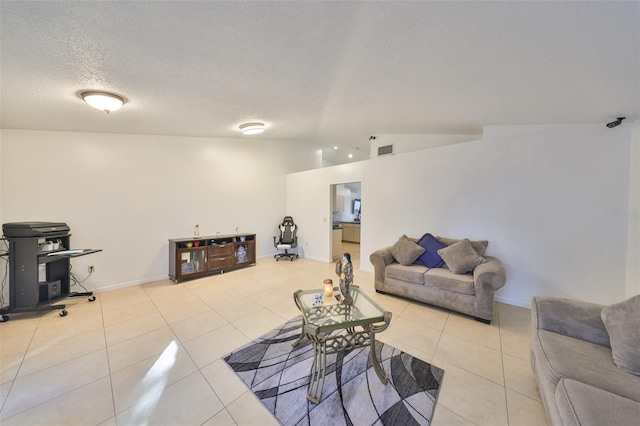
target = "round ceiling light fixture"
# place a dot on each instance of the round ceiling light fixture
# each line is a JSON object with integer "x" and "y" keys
{"x": 104, "y": 101}
{"x": 252, "y": 128}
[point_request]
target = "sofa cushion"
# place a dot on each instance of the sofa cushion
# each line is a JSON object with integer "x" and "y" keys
{"x": 461, "y": 257}
{"x": 430, "y": 258}
{"x": 558, "y": 356}
{"x": 581, "y": 404}
{"x": 447, "y": 280}
{"x": 410, "y": 273}
{"x": 480, "y": 245}
{"x": 405, "y": 251}
{"x": 622, "y": 321}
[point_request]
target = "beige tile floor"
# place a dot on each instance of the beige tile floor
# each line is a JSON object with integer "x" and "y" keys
{"x": 151, "y": 354}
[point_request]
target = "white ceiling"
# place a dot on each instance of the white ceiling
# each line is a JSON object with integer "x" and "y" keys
{"x": 332, "y": 73}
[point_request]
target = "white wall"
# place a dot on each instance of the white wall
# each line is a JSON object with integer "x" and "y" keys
{"x": 309, "y": 202}
{"x": 539, "y": 194}
{"x": 413, "y": 142}
{"x": 633, "y": 215}
{"x": 128, "y": 194}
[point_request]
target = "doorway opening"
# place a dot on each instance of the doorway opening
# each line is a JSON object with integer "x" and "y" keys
{"x": 346, "y": 220}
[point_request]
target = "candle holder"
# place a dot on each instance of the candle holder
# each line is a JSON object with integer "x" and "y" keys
{"x": 328, "y": 288}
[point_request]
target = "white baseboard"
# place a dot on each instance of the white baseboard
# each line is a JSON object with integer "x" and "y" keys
{"x": 266, "y": 256}
{"x": 317, "y": 259}
{"x": 514, "y": 302}
{"x": 300, "y": 255}
{"x": 130, "y": 284}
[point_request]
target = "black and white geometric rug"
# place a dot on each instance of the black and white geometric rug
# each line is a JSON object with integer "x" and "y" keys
{"x": 279, "y": 374}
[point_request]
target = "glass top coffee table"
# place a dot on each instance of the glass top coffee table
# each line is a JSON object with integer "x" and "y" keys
{"x": 358, "y": 322}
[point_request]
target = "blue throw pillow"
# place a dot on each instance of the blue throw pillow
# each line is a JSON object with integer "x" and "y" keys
{"x": 430, "y": 258}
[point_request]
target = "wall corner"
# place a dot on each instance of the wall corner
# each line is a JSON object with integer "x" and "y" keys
{"x": 633, "y": 216}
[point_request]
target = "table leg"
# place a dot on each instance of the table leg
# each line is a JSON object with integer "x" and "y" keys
{"x": 299, "y": 339}
{"x": 373, "y": 355}
{"x": 375, "y": 362}
{"x": 319, "y": 368}
{"x": 295, "y": 299}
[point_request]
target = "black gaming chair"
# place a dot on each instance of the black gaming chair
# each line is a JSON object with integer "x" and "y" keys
{"x": 287, "y": 239}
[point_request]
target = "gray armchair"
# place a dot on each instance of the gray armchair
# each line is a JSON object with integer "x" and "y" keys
{"x": 573, "y": 363}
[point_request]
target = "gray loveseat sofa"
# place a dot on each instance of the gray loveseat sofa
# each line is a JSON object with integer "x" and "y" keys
{"x": 470, "y": 293}
{"x": 575, "y": 366}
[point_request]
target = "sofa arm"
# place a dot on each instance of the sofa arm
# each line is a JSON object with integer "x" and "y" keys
{"x": 489, "y": 275}
{"x": 380, "y": 259}
{"x": 573, "y": 318}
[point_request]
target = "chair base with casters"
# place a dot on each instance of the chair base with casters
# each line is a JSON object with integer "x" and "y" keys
{"x": 286, "y": 253}
{"x": 287, "y": 239}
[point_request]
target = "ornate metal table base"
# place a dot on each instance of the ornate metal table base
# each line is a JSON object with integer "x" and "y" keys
{"x": 324, "y": 345}
{"x": 319, "y": 321}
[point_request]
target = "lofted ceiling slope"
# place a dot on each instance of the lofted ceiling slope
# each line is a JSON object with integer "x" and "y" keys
{"x": 330, "y": 73}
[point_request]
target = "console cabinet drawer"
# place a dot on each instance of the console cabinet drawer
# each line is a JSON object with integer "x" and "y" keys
{"x": 220, "y": 261}
{"x": 221, "y": 250}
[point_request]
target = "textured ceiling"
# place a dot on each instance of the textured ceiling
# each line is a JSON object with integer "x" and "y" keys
{"x": 331, "y": 73}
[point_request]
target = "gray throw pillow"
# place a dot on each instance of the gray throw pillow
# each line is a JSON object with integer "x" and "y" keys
{"x": 461, "y": 257}
{"x": 405, "y": 251}
{"x": 480, "y": 246}
{"x": 622, "y": 321}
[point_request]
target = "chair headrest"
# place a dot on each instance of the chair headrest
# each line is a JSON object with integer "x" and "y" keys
{"x": 288, "y": 220}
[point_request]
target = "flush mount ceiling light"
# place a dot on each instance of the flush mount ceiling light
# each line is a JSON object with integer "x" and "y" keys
{"x": 251, "y": 128}
{"x": 103, "y": 101}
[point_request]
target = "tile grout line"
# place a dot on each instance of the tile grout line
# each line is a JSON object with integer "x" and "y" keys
{"x": 504, "y": 374}
{"x": 38, "y": 371}
{"x": 106, "y": 349}
{"x": 17, "y": 372}
{"x": 445, "y": 373}
{"x": 224, "y": 406}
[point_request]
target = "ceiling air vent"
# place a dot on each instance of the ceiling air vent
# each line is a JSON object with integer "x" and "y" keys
{"x": 385, "y": 150}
